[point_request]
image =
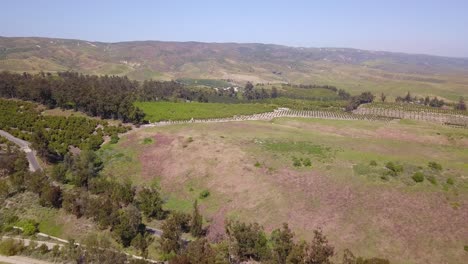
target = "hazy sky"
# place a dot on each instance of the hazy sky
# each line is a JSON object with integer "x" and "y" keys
{"x": 413, "y": 26}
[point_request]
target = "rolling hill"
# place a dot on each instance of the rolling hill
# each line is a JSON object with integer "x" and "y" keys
{"x": 351, "y": 69}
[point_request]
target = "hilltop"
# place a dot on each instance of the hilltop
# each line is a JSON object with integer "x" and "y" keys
{"x": 351, "y": 69}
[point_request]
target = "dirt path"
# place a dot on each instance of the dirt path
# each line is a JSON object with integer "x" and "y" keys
{"x": 22, "y": 260}
{"x": 25, "y": 146}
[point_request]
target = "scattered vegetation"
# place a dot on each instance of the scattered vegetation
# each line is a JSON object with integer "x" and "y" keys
{"x": 435, "y": 166}
{"x": 204, "y": 194}
{"x": 418, "y": 177}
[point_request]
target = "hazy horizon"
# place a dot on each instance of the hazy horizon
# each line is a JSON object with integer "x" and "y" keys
{"x": 419, "y": 27}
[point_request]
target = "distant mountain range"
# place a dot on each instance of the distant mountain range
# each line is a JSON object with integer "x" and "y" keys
{"x": 351, "y": 69}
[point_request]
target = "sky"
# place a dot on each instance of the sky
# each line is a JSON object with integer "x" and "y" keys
{"x": 411, "y": 26}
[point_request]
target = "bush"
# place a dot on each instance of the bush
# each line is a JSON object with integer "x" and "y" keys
{"x": 147, "y": 141}
{"x": 296, "y": 162}
{"x": 306, "y": 162}
{"x": 431, "y": 179}
{"x": 43, "y": 249}
{"x": 114, "y": 139}
{"x": 204, "y": 194}
{"x": 257, "y": 164}
{"x": 11, "y": 247}
{"x": 373, "y": 163}
{"x": 418, "y": 177}
{"x": 395, "y": 169}
{"x": 30, "y": 227}
{"x": 450, "y": 181}
{"x": 435, "y": 166}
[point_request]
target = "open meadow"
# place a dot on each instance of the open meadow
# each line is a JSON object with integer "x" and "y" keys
{"x": 398, "y": 190}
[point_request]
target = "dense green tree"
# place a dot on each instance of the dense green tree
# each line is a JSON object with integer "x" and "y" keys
{"x": 196, "y": 225}
{"x": 51, "y": 196}
{"x": 461, "y": 104}
{"x": 282, "y": 244}
{"x": 127, "y": 225}
{"x": 201, "y": 252}
{"x": 150, "y": 203}
{"x": 40, "y": 143}
{"x": 247, "y": 241}
{"x": 170, "y": 240}
{"x": 142, "y": 243}
{"x": 85, "y": 166}
{"x": 319, "y": 250}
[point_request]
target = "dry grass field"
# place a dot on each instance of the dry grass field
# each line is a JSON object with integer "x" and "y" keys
{"x": 259, "y": 171}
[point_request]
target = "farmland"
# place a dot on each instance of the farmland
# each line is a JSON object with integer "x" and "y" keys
{"x": 158, "y": 111}
{"x": 354, "y": 179}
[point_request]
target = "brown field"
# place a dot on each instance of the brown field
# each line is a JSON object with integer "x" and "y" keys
{"x": 247, "y": 168}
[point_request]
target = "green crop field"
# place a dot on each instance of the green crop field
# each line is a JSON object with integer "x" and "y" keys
{"x": 158, "y": 111}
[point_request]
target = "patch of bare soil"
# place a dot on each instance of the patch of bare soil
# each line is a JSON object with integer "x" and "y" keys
{"x": 384, "y": 132}
{"x": 392, "y": 222}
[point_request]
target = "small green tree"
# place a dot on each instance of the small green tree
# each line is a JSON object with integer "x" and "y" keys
{"x": 142, "y": 242}
{"x": 196, "y": 225}
{"x": 128, "y": 224}
{"x": 282, "y": 243}
{"x": 170, "y": 240}
{"x": 319, "y": 251}
{"x": 247, "y": 241}
{"x": 150, "y": 203}
{"x": 200, "y": 251}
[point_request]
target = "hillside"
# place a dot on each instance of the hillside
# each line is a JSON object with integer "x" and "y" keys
{"x": 351, "y": 69}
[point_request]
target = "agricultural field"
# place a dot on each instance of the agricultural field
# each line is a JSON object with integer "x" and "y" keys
{"x": 205, "y": 82}
{"x": 398, "y": 190}
{"x": 159, "y": 111}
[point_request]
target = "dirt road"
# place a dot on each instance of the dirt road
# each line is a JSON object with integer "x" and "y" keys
{"x": 24, "y": 145}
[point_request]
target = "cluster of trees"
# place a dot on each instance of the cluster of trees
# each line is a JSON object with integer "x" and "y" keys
{"x": 52, "y": 136}
{"x": 356, "y": 101}
{"x": 432, "y": 102}
{"x": 104, "y": 96}
{"x": 263, "y": 94}
{"x": 461, "y": 105}
{"x": 250, "y": 93}
{"x": 245, "y": 242}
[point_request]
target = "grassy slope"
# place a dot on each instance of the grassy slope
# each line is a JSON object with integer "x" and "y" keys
{"x": 157, "y": 111}
{"x": 395, "y": 218}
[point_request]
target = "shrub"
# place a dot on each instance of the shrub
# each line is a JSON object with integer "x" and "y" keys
{"x": 147, "y": 141}
{"x": 189, "y": 140}
{"x": 43, "y": 249}
{"x": 395, "y": 169}
{"x": 373, "y": 163}
{"x": 30, "y": 227}
{"x": 431, "y": 179}
{"x": 384, "y": 177}
{"x": 257, "y": 164}
{"x": 434, "y": 165}
{"x": 204, "y": 194}
{"x": 11, "y": 247}
{"x": 296, "y": 162}
{"x": 418, "y": 177}
{"x": 450, "y": 181}
{"x": 114, "y": 139}
{"x": 306, "y": 162}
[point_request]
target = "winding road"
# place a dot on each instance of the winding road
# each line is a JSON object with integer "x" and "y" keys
{"x": 25, "y": 146}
